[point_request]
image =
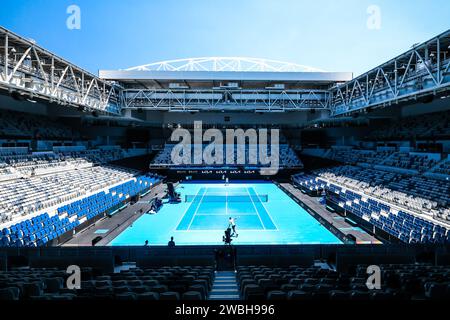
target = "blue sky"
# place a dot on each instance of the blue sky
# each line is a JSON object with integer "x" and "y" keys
{"x": 330, "y": 35}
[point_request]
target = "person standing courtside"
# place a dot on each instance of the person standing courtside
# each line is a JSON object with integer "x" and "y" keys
{"x": 171, "y": 243}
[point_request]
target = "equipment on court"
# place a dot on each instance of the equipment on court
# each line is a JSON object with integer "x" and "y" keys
{"x": 227, "y": 237}
{"x": 174, "y": 196}
{"x": 227, "y": 198}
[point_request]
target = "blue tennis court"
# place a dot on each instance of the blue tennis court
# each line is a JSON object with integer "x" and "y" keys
{"x": 210, "y": 207}
{"x": 264, "y": 214}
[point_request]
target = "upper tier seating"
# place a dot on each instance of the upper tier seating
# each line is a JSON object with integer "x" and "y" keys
{"x": 287, "y": 157}
{"x": 414, "y": 162}
{"x": 354, "y": 156}
{"x": 27, "y": 165}
{"x": 409, "y": 161}
{"x": 18, "y": 124}
{"x": 434, "y": 125}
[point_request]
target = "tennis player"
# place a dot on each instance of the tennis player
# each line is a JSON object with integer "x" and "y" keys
{"x": 232, "y": 224}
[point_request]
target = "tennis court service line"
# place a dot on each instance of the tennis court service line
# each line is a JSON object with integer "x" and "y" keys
{"x": 254, "y": 206}
{"x": 196, "y": 209}
{"x": 192, "y": 209}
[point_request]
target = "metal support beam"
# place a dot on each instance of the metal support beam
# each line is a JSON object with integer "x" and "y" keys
{"x": 40, "y": 73}
{"x": 225, "y": 99}
{"x": 6, "y": 59}
{"x": 417, "y": 72}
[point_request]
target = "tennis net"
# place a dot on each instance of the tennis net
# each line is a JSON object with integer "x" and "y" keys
{"x": 227, "y": 198}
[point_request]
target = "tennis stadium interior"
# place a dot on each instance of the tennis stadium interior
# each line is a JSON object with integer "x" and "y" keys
{"x": 88, "y": 178}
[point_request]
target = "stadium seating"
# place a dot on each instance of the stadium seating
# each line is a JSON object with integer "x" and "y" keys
{"x": 43, "y": 163}
{"x": 350, "y": 155}
{"x": 43, "y": 228}
{"x": 43, "y": 195}
{"x": 357, "y": 192}
{"x": 399, "y": 282}
{"x": 411, "y": 162}
{"x": 416, "y": 193}
{"x": 25, "y": 196}
{"x": 415, "y": 181}
{"x": 434, "y": 125}
{"x": 17, "y": 124}
{"x": 389, "y": 160}
{"x": 165, "y": 283}
{"x": 311, "y": 182}
{"x": 287, "y": 158}
{"x": 443, "y": 168}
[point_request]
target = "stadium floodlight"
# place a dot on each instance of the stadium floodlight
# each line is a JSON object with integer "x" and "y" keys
{"x": 269, "y": 110}
{"x": 230, "y": 85}
{"x": 174, "y": 85}
{"x": 179, "y": 110}
{"x": 226, "y": 87}
{"x": 277, "y": 86}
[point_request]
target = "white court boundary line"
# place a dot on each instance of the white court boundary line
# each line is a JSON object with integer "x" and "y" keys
{"x": 246, "y": 187}
{"x": 223, "y": 214}
{"x": 226, "y": 200}
{"x": 184, "y": 213}
{"x": 256, "y": 210}
{"x": 268, "y": 211}
{"x": 196, "y": 209}
{"x": 215, "y": 230}
{"x": 256, "y": 213}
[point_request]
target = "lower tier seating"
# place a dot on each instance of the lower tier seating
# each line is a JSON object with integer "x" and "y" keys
{"x": 400, "y": 282}
{"x": 40, "y": 229}
{"x": 362, "y": 199}
{"x": 21, "y": 197}
{"x": 165, "y": 283}
{"x": 417, "y": 193}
